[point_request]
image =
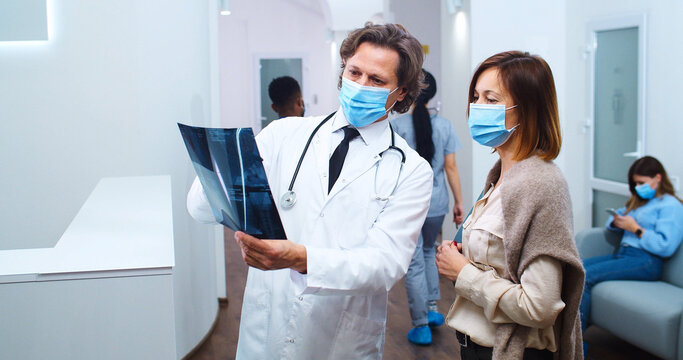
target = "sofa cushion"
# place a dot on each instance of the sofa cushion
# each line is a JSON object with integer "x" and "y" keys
{"x": 644, "y": 313}
{"x": 673, "y": 268}
{"x": 680, "y": 341}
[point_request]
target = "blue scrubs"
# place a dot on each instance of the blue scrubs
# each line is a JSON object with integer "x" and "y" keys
{"x": 422, "y": 278}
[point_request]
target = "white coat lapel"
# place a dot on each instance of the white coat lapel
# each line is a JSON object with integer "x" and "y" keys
{"x": 321, "y": 147}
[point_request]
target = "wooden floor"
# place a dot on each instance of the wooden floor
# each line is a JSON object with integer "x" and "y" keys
{"x": 222, "y": 342}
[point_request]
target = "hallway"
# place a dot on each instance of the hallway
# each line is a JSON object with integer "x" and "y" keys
{"x": 222, "y": 342}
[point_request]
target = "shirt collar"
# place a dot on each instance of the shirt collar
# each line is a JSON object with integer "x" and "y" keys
{"x": 369, "y": 134}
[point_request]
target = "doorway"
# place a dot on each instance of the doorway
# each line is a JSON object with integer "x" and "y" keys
{"x": 617, "y": 108}
{"x": 269, "y": 69}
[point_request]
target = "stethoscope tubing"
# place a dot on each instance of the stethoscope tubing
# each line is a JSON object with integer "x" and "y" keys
{"x": 291, "y": 196}
{"x": 303, "y": 154}
{"x": 400, "y": 170}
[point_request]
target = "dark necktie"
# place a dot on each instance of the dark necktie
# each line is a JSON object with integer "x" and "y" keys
{"x": 337, "y": 159}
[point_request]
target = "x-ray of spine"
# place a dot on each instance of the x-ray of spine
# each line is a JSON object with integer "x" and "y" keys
{"x": 231, "y": 172}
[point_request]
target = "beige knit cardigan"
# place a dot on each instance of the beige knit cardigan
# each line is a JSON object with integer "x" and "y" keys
{"x": 537, "y": 214}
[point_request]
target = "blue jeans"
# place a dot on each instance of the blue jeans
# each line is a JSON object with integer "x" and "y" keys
{"x": 628, "y": 263}
{"x": 422, "y": 278}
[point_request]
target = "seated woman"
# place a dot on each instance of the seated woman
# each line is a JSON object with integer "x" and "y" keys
{"x": 652, "y": 227}
{"x": 519, "y": 277}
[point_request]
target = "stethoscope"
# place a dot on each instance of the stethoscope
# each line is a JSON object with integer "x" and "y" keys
{"x": 288, "y": 199}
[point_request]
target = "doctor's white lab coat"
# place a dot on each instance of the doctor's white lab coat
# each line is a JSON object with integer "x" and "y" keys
{"x": 357, "y": 247}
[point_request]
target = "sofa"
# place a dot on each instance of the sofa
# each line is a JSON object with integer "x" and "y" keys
{"x": 647, "y": 314}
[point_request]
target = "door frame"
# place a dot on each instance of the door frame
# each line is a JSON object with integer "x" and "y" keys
{"x": 614, "y": 23}
{"x": 256, "y": 63}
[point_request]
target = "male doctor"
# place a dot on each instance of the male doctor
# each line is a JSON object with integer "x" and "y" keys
{"x": 322, "y": 293}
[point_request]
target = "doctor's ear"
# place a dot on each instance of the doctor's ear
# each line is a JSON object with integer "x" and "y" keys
{"x": 402, "y": 94}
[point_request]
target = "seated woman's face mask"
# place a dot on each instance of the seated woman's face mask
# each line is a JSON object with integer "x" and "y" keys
{"x": 645, "y": 191}
{"x": 363, "y": 105}
{"x": 487, "y": 124}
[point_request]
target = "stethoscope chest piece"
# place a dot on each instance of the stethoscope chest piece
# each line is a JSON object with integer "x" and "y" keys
{"x": 288, "y": 199}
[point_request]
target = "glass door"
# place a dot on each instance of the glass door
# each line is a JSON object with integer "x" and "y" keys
{"x": 617, "y": 108}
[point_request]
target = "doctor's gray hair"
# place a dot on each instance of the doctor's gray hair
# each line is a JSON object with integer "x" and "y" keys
{"x": 397, "y": 38}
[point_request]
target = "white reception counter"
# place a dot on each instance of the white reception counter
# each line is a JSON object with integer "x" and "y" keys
{"x": 105, "y": 290}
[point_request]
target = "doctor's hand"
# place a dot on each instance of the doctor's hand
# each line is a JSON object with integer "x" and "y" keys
{"x": 450, "y": 260}
{"x": 271, "y": 254}
{"x": 458, "y": 214}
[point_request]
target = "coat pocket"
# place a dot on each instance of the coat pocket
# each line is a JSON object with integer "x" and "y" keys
{"x": 357, "y": 337}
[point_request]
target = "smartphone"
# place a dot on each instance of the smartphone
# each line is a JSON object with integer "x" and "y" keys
{"x": 612, "y": 211}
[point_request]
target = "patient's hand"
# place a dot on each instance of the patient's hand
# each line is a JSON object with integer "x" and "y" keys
{"x": 450, "y": 260}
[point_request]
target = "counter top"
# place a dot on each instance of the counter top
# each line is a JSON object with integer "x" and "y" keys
{"x": 125, "y": 228}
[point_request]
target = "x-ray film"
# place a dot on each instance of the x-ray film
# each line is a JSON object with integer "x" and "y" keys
{"x": 231, "y": 172}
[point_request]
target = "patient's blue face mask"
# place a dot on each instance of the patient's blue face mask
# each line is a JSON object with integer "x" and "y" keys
{"x": 646, "y": 191}
{"x": 487, "y": 124}
{"x": 363, "y": 105}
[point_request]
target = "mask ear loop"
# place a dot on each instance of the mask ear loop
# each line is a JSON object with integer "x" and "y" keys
{"x": 392, "y": 105}
{"x": 514, "y": 127}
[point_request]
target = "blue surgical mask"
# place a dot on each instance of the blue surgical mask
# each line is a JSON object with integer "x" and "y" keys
{"x": 363, "y": 105}
{"x": 645, "y": 191}
{"x": 487, "y": 124}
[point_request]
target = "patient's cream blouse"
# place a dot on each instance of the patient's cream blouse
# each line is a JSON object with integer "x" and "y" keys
{"x": 484, "y": 299}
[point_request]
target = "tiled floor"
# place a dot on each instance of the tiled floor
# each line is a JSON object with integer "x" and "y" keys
{"x": 222, "y": 342}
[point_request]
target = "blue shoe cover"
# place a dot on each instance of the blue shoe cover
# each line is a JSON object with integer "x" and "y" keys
{"x": 435, "y": 319}
{"x": 421, "y": 335}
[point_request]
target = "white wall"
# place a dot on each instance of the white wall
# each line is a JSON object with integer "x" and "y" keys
{"x": 352, "y": 14}
{"x": 101, "y": 98}
{"x": 536, "y": 26}
{"x": 664, "y": 82}
{"x": 279, "y": 28}
{"x": 455, "y": 79}
{"x": 423, "y": 20}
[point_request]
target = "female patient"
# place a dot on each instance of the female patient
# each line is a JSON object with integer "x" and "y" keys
{"x": 652, "y": 228}
{"x": 518, "y": 279}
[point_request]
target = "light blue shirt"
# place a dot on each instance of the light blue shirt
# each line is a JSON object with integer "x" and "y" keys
{"x": 445, "y": 142}
{"x": 662, "y": 220}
